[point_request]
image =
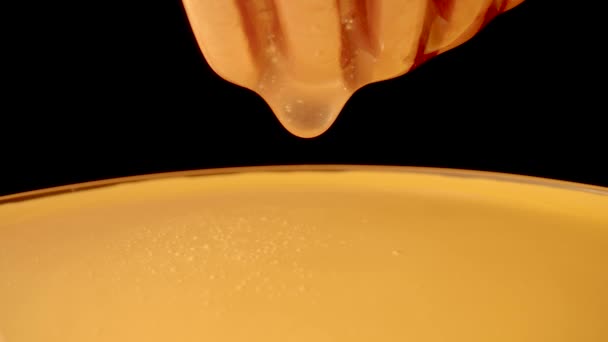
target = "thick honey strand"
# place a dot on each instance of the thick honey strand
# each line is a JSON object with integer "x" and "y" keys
{"x": 307, "y": 57}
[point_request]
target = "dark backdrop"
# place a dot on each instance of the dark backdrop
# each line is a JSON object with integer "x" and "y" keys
{"x": 98, "y": 90}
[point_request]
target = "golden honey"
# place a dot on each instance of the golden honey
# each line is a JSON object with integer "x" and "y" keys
{"x": 362, "y": 254}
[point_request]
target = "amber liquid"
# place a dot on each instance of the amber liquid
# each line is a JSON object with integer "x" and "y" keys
{"x": 307, "y": 57}
{"x": 307, "y": 256}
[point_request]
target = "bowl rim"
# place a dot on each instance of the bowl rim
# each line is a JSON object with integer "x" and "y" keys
{"x": 449, "y": 172}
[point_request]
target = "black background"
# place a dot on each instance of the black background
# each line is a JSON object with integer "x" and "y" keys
{"x": 100, "y": 90}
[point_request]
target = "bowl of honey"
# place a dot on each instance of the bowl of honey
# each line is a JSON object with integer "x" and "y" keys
{"x": 306, "y": 253}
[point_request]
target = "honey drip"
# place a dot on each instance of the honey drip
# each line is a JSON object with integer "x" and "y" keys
{"x": 307, "y": 57}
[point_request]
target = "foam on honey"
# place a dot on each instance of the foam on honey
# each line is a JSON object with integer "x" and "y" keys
{"x": 300, "y": 256}
{"x": 307, "y": 57}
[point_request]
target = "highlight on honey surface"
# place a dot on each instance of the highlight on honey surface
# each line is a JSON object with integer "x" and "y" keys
{"x": 307, "y": 57}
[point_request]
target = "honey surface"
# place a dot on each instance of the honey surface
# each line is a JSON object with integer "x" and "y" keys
{"x": 306, "y": 256}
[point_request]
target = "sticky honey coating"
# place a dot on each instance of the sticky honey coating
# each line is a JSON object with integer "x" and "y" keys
{"x": 307, "y": 57}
